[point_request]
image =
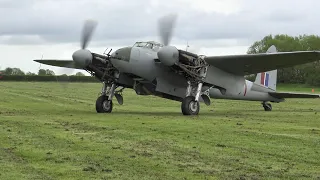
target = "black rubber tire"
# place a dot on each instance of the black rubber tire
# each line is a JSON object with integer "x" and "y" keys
{"x": 267, "y": 107}
{"x": 100, "y": 108}
{"x": 186, "y": 106}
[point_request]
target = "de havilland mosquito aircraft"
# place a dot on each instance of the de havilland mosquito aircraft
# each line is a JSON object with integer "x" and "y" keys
{"x": 160, "y": 69}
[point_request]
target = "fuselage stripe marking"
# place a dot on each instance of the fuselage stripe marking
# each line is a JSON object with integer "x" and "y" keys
{"x": 245, "y": 89}
{"x": 262, "y": 78}
{"x": 267, "y": 80}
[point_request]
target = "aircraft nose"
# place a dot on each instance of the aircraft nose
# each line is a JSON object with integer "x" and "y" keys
{"x": 122, "y": 54}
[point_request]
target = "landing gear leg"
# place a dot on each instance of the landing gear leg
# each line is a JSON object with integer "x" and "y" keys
{"x": 104, "y": 102}
{"x": 267, "y": 106}
{"x": 190, "y": 105}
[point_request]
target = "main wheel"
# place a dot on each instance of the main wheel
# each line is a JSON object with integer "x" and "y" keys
{"x": 103, "y": 105}
{"x": 189, "y": 106}
{"x": 267, "y": 107}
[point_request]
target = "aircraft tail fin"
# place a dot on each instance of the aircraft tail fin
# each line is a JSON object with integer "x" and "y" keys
{"x": 268, "y": 79}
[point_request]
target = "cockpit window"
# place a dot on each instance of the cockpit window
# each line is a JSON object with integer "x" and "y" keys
{"x": 150, "y": 45}
{"x": 139, "y": 44}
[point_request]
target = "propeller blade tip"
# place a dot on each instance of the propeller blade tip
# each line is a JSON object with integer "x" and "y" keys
{"x": 87, "y": 31}
{"x": 166, "y": 25}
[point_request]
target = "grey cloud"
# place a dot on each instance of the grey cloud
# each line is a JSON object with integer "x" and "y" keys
{"x": 60, "y": 21}
{"x": 21, "y": 40}
{"x": 9, "y": 4}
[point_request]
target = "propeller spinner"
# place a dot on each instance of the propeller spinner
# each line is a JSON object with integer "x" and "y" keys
{"x": 83, "y": 57}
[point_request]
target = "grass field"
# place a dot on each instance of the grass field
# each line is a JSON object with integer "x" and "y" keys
{"x": 47, "y": 132}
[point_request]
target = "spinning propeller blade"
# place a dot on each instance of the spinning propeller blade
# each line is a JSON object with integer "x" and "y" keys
{"x": 87, "y": 31}
{"x": 166, "y": 25}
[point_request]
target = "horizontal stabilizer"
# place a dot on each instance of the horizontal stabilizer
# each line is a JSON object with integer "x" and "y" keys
{"x": 59, "y": 63}
{"x": 282, "y": 95}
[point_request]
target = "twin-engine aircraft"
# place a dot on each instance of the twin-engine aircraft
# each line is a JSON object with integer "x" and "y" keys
{"x": 160, "y": 69}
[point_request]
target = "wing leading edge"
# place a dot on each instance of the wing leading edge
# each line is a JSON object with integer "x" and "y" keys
{"x": 59, "y": 63}
{"x": 255, "y": 63}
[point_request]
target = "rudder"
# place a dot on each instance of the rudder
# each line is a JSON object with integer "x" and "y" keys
{"x": 269, "y": 78}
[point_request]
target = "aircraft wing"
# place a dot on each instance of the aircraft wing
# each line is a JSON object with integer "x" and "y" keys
{"x": 255, "y": 63}
{"x": 282, "y": 95}
{"x": 59, "y": 63}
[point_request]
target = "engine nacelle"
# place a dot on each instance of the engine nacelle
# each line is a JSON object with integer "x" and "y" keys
{"x": 168, "y": 55}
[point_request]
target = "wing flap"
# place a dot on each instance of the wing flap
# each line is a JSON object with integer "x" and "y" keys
{"x": 282, "y": 95}
{"x": 255, "y": 63}
{"x": 59, "y": 63}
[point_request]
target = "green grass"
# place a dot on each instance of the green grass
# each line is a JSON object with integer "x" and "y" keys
{"x": 48, "y": 132}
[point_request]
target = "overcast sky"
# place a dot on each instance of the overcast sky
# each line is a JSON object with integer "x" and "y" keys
{"x": 30, "y": 29}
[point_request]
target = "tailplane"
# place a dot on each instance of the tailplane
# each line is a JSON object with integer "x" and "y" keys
{"x": 268, "y": 79}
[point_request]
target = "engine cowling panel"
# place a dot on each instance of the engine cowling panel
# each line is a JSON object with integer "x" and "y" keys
{"x": 168, "y": 55}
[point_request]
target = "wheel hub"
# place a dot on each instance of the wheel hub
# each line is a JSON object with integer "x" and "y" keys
{"x": 193, "y": 106}
{"x": 106, "y": 105}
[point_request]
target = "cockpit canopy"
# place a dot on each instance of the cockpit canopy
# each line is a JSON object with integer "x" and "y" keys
{"x": 150, "y": 45}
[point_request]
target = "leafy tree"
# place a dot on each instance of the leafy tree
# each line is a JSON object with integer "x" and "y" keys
{"x": 42, "y": 72}
{"x": 49, "y": 72}
{"x": 79, "y": 74}
{"x": 306, "y": 73}
{"x": 13, "y": 71}
{"x": 45, "y": 72}
{"x": 30, "y": 74}
{"x": 8, "y": 71}
{"x": 17, "y": 71}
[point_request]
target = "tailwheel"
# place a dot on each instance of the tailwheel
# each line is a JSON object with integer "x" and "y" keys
{"x": 267, "y": 106}
{"x": 103, "y": 105}
{"x": 190, "y": 106}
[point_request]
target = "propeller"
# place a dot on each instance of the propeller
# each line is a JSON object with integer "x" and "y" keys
{"x": 166, "y": 25}
{"x": 81, "y": 57}
{"x": 87, "y": 31}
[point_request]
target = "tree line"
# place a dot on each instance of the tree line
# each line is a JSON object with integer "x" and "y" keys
{"x": 42, "y": 72}
{"x": 16, "y": 74}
